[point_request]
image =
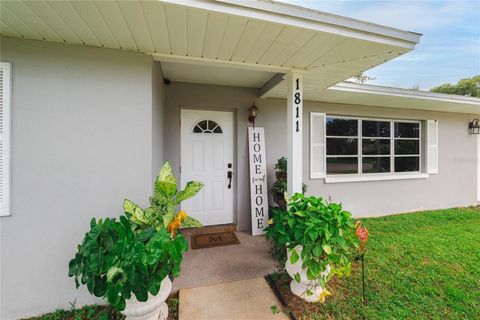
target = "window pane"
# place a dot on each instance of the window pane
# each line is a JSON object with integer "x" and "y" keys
{"x": 342, "y": 127}
{"x": 375, "y": 128}
{"x": 405, "y": 164}
{"x": 375, "y": 146}
{"x": 376, "y": 165}
{"x": 342, "y": 146}
{"x": 407, "y": 130}
{"x": 342, "y": 165}
{"x": 407, "y": 146}
{"x": 203, "y": 124}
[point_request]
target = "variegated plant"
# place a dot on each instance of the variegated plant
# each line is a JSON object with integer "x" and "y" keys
{"x": 163, "y": 203}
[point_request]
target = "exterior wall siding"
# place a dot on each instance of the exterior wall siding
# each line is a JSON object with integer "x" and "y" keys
{"x": 455, "y": 185}
{"x": 82, "y": 142}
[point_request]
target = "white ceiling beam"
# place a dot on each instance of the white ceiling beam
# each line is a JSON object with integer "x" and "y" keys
{"x": 219, "y": 63}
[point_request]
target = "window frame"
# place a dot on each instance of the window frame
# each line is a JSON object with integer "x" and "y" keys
{"x": 360, "y": 174}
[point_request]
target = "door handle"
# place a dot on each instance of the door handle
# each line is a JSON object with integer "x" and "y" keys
{"x": 229, "y": 175}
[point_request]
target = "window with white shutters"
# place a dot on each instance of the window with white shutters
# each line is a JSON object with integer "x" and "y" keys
{"x": 5, "y": 106}
{"x": 346, "y": 148}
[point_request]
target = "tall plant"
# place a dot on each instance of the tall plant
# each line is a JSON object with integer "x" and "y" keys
{"x": 135, "y": 254}
{"x": 163, "y": 203}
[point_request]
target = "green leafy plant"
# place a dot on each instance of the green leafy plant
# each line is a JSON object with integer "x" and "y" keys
{"x": 325, "y": 231}
{"x": 116, "y": 259}
{"x": 134, "y": 254}
{"x": 163, "y": 202}
{"x": 281, "y": 164}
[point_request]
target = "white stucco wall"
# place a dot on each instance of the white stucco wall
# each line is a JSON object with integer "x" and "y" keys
{"x": 82, "y": 142}
{"x": 455, "y": 185}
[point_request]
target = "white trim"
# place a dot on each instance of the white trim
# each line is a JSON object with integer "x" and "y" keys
{"x": 5, "y": 138}
{"x": 307, "y": 19}
{"x": 405, "y": 93}
{"x": 374, "y": 177}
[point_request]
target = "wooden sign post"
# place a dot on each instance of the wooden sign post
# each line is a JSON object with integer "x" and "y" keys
{"x": 258, "y": 180}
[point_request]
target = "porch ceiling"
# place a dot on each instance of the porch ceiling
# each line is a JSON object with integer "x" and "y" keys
{"x": 263, "y": 36}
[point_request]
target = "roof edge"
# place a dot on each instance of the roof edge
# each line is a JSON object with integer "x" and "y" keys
{"x": 279, "y": 13}
{"x": 400, "y": 92}
{"x": 327, "y": 18}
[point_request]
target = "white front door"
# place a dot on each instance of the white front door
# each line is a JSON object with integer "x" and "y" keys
{"x": 207, "y": 155}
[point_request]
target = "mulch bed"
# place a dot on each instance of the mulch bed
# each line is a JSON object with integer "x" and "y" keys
{"x": 297, "y": 308}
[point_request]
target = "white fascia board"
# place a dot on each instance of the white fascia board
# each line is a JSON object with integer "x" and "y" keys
{"x": 285, "y": 15}
{"x": 405, "y": 93}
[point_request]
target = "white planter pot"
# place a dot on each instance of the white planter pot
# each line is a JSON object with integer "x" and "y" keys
{"x": 154, "y": 308}
{"x": 300, "y": 289}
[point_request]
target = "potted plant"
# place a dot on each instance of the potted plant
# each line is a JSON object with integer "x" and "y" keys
{"x": 129, "y": 261}
{"x": 281, "y": 167}
{"x": 279, "y": 187}
{"x": 319, "y": 238}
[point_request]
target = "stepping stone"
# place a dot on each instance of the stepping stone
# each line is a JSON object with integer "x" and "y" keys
{"x": 236, "y": 300}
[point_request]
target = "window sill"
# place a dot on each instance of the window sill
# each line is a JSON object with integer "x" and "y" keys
{"x": 339, "y": 179}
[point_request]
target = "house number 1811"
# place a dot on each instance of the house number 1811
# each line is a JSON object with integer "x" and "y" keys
{"x": 297, "y": 101}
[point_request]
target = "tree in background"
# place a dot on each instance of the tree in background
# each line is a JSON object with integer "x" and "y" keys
{"x": 360, "y": 78}
{"x": 465, "y": 87}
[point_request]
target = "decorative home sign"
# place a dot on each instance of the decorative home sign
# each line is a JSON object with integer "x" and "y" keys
{"x": 258, "y": 180}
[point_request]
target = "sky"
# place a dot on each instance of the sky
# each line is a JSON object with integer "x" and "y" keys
{"x": 449, "y": 49}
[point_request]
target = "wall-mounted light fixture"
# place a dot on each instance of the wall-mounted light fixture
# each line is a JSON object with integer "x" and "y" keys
{"x": 252, "y": 113}
{"x": 474, "y": 126}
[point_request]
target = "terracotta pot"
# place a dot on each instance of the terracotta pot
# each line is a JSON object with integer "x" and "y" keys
{"x": 300, "y": 288}
{"x": 154, "y": 308}
{"x": 281, "y": 175}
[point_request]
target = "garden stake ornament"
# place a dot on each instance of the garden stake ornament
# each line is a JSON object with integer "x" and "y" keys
{"x": 362, "y": 234}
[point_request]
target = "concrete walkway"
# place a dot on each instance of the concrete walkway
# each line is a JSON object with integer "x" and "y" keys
{"x": 249, "y": 259}
{"x": 238, "y": 300}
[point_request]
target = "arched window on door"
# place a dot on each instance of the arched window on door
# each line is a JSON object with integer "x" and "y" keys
{"x": 207, "y": 126}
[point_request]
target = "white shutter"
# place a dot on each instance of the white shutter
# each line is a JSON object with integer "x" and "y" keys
{"x": 432, "y": 146}
{"x": 317, "y": 145}
{"x": 5, "y": 106}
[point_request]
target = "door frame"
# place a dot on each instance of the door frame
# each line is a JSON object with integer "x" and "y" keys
{"x": 235, "y": 165}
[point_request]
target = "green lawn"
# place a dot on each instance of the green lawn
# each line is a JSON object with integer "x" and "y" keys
{"x": 423, "y": 265}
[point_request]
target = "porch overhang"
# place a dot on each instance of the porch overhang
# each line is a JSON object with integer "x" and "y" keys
{"x": 263, "y": 37}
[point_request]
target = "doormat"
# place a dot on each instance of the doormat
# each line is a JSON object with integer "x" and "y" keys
{"x": 209, "y": 240}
